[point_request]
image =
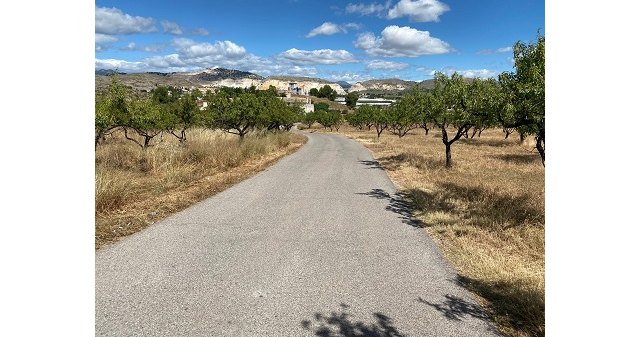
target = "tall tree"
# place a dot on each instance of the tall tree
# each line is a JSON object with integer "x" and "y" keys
{"x": 524, "y": 93}
{"x": 351, "y": 99}
{"x": 237, "y": 115}
{"x": 185, "y": 114}
{"x": 456, "y": 106}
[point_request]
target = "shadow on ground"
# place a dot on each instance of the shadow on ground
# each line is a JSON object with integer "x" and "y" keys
{"x": 486, "y": 207}
{"x": 394, "y": 162}
{"x": 398, "y": 204}
{"x": 513, "y": 305}
{"x": 456, "y": 308}
{"x": 488, "y": 142}
{"x": 373, "y": 164}
{"x": 519, "y": 158}
{"x": 341, "y": 324}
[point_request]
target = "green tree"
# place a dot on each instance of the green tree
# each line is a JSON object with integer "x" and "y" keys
{"x": 309, "y": 118}
{"x": 185, "y": 114}
{"x": 165, "y": 95}
{"x": 237, "y": 115}
{"x": 327, "y": 92}
{"x": 457, "y": 105}
{"x": 275, "y": 115}
{"x": 147, "y": 119}
{"x": 351, "y": 100}
{"x": 524, "y": 93}
{"x": 375, "y": 117}
{"x": 403, "y": 116}
{"x": 313, "y": 92}
{"x": 112, "y": 110}
{"x": 321, "y": 106}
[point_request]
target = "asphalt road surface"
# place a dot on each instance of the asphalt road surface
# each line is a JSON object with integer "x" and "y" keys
{"x": 317, "y": 245}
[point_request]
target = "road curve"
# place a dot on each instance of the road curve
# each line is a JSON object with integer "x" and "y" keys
{"x": 316, "y": 245}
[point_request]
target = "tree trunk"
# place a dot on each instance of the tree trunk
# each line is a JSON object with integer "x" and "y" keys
{"x": 426, "y": 131}
{"x": 448, "y": 155}
{"x": 147, "y": 140}
{"x": 183, "y": 137}
{"x": 540, "y": 146}
{"x": 522, "y": 137}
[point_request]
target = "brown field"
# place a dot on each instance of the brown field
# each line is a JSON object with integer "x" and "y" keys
{"x": 135, "y": 188}
{"x": 486, "y": 213}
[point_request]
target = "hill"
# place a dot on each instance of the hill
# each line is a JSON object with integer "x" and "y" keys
{"x": 392, "y": 85}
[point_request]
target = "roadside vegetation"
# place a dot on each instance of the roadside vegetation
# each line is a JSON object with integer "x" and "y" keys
{"x": 479, "y": 193}
{"x": 159, "y": 152}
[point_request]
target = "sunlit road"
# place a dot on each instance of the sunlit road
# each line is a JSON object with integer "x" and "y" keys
{"x": 318, "y": 244}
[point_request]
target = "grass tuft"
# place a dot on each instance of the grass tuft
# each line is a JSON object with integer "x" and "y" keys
{"x": 135, "y": 187}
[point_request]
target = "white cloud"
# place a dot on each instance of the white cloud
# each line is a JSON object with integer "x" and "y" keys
{"x": 386, "y": 65}
{"x": 104, "y": 41}
{"x": 320, "y": 56}
{"x": 171, "y": 27}
{"x": 120, "y": 65}
{"x": 113, "y": 21}
{"x": 219, "y": 50}
{"x": 152, "y": 48}
{"x": 330, "y": 28}
{"x": 367, "y": 9}
{"x": 200, "y": 31}
{"x": 327, "y": 28}
{"x": 401, "y": 41}
{"x": 418, "y": 10}
{"x": 497, "y": 51}
{"x": 352, "y": 26}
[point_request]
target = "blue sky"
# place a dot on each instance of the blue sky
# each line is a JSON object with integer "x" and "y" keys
{"x": 335, "y": 40}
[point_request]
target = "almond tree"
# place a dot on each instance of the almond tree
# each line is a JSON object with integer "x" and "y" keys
{"x": 111, "y": 110}
{"x": 147, "y": 119}
{"x": 237, "y": 115}
{"x": 457, "y": 105}
{"x": 524, "y": 93}
{"x": 403, "y": 116}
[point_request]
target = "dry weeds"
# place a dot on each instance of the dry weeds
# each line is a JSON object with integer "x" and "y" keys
{"x": 136, "y": 188}
{"x": 486, "y": 213}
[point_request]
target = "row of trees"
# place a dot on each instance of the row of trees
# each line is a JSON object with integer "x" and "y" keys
{"x": 167, "y": 110}
{"x": 456, "y": 106}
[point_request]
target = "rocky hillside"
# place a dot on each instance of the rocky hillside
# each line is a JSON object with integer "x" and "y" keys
{"x": 212, "y": 78}
{"x": 392, "y": 84}
{"x": 304, "y": 83}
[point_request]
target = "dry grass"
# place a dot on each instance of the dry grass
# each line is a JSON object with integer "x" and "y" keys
{"x": 135, "y": 188}
{"x": 486, "y": 213}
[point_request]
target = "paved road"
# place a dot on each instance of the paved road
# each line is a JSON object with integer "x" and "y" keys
{"x": 318, "y": 244}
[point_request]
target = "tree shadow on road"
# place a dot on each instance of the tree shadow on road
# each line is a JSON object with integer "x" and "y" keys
{"x": 398, "y": 203}
{"x": 341, "y": 324}
{"x": 456, "y": 308}
{"x": 373, "y": 164}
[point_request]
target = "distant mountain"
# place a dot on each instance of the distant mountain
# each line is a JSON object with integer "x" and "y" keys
{"x": 426, "y": 84}
{"x": 107, "y": 72}
{"x": 218, "y": 77}
{"x": 298, "y": 79}
{"x": 344, "y": 84}
{"x": 389, "y": 84}
{"x": 217, "y": 74}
